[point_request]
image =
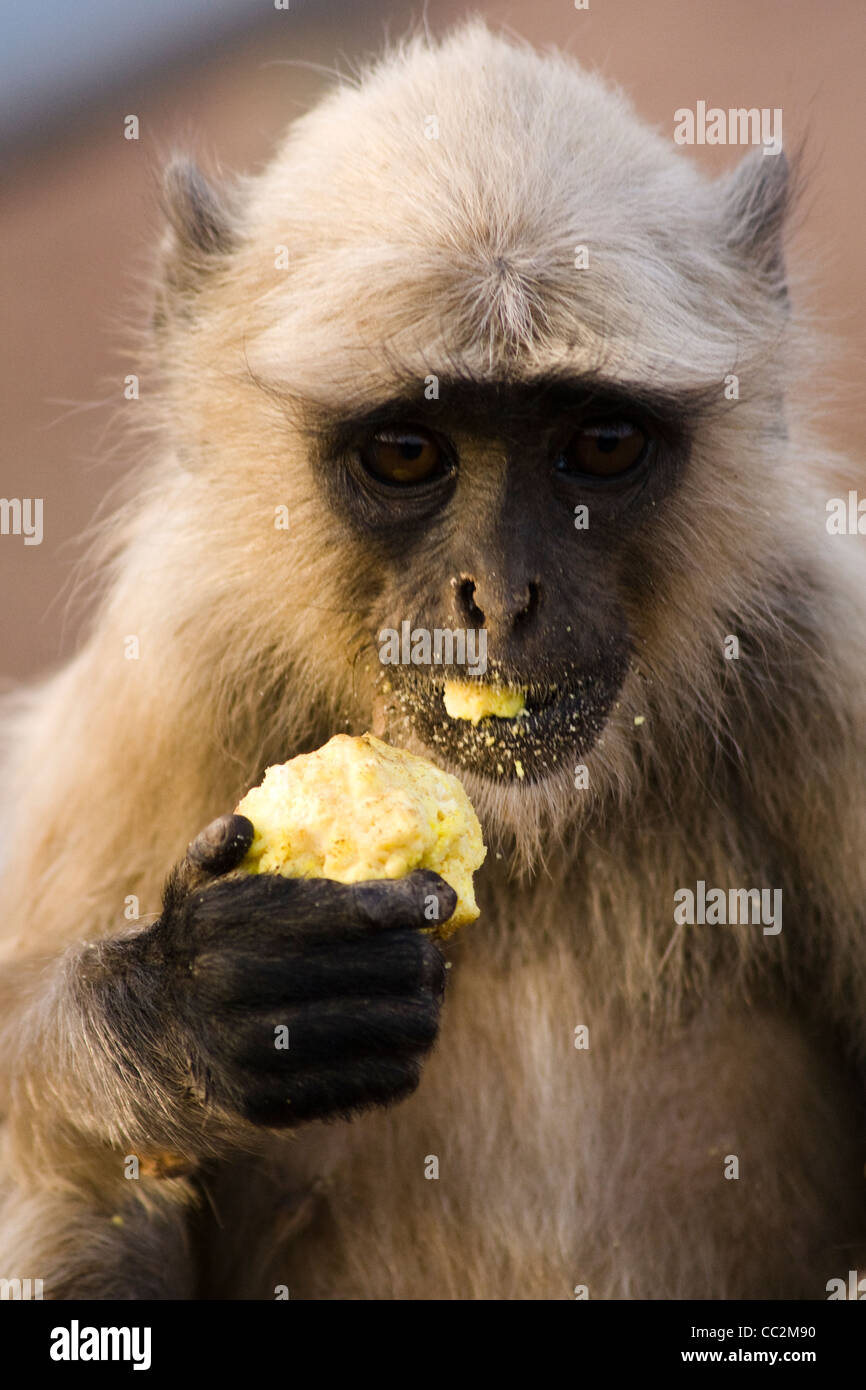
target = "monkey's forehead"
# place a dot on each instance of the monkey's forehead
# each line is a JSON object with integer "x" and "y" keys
{"x": 478, "y": 200}
{"x": 331, "y": 338}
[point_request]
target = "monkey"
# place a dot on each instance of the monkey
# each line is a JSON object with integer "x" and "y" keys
{"x": 458, "y": 356}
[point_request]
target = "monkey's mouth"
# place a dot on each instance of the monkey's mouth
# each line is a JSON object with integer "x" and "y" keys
{"x": 560, "y": 722}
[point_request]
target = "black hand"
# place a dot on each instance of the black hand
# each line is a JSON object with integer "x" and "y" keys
{"x": 344, "y": 968}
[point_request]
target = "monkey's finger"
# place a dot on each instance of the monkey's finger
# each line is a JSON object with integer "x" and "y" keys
{"x": 294, "y": 1038}
{"x": 328, "y": 1091}
{"x": 221, "y": 846}
{"x": 421, "y": 899}
{"x": 215, "y": 850}
{"x": 264, "y": 903}
{"x": 258, "y": 974}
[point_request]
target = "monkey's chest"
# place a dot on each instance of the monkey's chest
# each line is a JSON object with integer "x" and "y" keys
{"x": 476, "y": 1186}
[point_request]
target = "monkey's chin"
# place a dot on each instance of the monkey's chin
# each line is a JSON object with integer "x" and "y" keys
{"x": 559, "y": 726}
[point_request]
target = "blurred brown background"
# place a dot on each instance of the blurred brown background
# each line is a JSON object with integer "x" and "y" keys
{"x": 78, "y": 214}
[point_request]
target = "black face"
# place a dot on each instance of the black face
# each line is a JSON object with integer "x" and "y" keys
{"x": 512, "y": 511}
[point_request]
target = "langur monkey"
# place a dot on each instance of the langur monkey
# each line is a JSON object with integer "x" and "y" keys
{"x": 460, "y": 356}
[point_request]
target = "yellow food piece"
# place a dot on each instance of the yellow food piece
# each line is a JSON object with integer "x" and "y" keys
{"x": 358, "y": 809}
{"x": 472, "y": 700}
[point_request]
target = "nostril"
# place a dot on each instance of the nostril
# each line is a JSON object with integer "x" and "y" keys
{"x": 530, "y": 607}
{"x": 465, "y": 599}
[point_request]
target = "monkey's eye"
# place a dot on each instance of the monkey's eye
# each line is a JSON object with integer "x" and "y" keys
{"x": 403, "y": 457}
{"x": 603, "y": 450}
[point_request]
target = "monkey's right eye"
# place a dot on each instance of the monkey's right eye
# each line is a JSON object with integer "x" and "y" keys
{"x": 403, "y": 458}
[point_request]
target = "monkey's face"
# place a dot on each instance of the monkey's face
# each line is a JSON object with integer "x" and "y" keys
{"x": 492, "y": 379}
{"x": 500, "y": 523}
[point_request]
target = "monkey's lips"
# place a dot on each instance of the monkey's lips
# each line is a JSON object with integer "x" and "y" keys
{"x": 560, "y": 723}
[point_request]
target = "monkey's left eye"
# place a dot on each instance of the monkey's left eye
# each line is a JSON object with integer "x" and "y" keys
{"x": 403, "y": 457}
{"x": 603, "y": 450}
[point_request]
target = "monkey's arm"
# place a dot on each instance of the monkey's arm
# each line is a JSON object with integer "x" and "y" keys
{"x": 252, "y": 1001}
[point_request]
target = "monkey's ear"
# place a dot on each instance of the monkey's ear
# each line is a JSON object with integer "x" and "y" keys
{"x": 757, "y": 198}
{"x": 201, "y": 232}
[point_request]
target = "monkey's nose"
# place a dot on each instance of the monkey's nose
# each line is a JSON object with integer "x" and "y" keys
{"x": 494, "y": 603}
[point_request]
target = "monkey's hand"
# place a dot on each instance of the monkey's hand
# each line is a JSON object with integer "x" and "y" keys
{"x": 292, "y": 999}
